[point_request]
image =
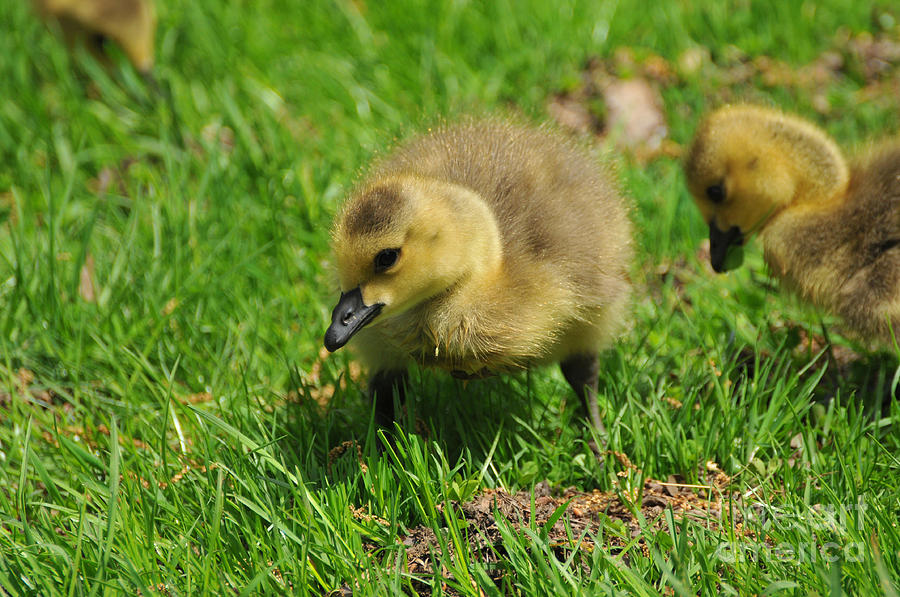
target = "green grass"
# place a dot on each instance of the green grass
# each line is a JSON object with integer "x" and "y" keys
{"x": 164, "y": 434}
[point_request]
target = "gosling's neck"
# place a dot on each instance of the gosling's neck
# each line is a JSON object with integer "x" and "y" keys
{"x": 464, "y": 232}
{"x": 821, "y": 178}
{"x": 816, "y": 162}
{"x": 478, "y": 232}
{"x": 470, "y": 235}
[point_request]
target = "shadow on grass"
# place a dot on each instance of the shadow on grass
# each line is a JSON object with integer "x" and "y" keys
{"x": 851, "y": 371}
{"x": 463, "y": 417}
{"x": 869, "y": 377}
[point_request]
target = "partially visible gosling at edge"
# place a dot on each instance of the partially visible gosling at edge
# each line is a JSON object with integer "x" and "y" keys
{"x": 129, "y": 23}
{"x": 830, "y": 232}
{"x": 480, "y": 248}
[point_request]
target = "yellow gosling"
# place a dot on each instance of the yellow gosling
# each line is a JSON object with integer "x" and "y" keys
{"x": 479, "y": 248}
{"x": 829, "y": 231}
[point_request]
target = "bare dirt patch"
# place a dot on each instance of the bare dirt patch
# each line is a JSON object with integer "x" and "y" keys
{"x": 608, "y": 520}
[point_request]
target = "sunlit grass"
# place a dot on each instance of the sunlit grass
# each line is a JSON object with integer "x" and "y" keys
{"x": 166, "y": 419}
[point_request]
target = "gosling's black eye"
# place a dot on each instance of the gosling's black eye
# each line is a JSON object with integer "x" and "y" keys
{"x": 716, "y": 193}
{"x": 386, "y": 259}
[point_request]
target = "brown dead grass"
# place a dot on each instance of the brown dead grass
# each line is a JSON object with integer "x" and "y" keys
{"x": 607, "y": 520}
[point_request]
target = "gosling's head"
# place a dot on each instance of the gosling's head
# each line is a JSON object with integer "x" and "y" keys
{"x": 401, "y": 241}
{"x": 747, "y": 164}
{"x": 740, "y": 172}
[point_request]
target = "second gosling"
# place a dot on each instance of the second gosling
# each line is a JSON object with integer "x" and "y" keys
{"x": 829, "y": 230}
{"x": 479, "y": 248}
{"x": 129, "y": 23}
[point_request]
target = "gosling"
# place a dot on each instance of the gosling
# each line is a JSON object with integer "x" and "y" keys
{"x": 830, "y": 232}
{"x": 129, "y": 23}
{"x": 480, "y": 248}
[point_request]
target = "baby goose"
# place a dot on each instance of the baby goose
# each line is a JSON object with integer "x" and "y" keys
{"x": 830, "y": 231}
{"x": 129, "y": 23}
{"x": 480, "y": 248}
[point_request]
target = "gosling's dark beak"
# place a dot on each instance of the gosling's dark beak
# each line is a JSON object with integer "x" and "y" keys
{"x": 348, "y": 317}
{"x": 719, "y": 244}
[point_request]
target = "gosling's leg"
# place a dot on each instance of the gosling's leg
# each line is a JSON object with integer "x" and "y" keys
{"x": 382, "y": 387}
{"x": 582, "y": 371}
